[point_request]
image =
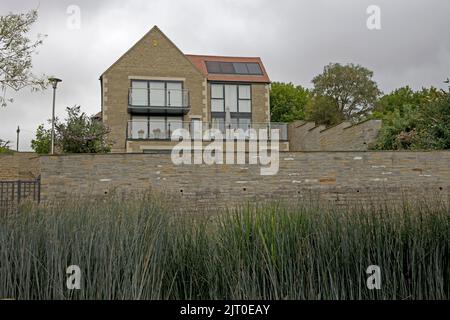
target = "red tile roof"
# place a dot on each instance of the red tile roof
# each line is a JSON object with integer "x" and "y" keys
{"x": 199, "y": 62}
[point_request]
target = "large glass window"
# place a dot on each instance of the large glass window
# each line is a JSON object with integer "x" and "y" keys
{"x": 217, "y": 98}
{"x": 139, "y": 93}
{"x": 231, "y": 101}
{"x": 157, "y": 94}
{"x": 231, "y": 106}
{"x": 157, "y": 127}
{"x": 174, "y": 94}
{"x": 139, "y": 127}
{"x": 154, "y": 127}
{"x": 236, "y": 98}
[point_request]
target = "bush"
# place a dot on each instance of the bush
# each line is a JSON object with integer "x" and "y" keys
{"x": 419, "y": 122}
{"x": 78, "y": 134}
{"x": 4, "y": 147}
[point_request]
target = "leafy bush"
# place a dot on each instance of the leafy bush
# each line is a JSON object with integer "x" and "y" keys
{"x": 4, "y": 147}
{"x": 78, "y": 134}
{"x": 414, "y": 120}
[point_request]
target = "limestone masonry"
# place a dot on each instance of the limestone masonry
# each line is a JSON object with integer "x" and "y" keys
{"x": 334, "y": 176}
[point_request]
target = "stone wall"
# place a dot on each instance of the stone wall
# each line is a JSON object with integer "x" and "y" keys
{"x": 306, "y": 136}
{"x": 19, "y": 166}
{"x": 335, "y": 176}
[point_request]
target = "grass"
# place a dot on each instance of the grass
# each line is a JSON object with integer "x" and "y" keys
{"x": 136, "y": 249}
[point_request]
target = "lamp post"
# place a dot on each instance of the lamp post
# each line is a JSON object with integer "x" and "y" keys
{"x": 54, "y": 82}
{"x": 17, "y": 140}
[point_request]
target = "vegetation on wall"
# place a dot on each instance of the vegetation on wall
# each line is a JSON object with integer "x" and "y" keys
{"x": 79, "y": 133}
{"x": 414, "y": 120}
{"x": 4, "y": 146}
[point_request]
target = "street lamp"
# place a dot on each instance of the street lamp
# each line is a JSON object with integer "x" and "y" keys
{"x": 17, "y": 140}
{"x": 54, "y": 82}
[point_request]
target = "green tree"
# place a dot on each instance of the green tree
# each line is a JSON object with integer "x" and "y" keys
{"x": 16, "y": 51}
{"x": 41, "y": 144}
{"x": 322, "y": 110}
{"x": 414, "y": 120}
{"x": 4, "y": 146}
{"x": 351, "y": 88}
{"x": 79, "y": 133}
{"x": 287, "y": 102}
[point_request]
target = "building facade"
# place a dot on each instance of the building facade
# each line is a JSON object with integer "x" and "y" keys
{"x": 154, "y": 89}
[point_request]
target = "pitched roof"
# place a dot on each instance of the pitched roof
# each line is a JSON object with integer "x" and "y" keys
{"x": 199, "y": 62}
{"x": 154, "y": 29}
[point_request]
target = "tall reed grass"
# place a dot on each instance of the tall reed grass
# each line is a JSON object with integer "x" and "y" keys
{"x": 137, "y": 249}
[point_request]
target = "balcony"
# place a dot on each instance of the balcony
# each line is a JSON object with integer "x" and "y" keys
{"x": 162, "y": 130}
{"x": 158, "y": 101}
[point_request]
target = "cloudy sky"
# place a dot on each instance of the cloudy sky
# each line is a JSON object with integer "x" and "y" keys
{"x": 294, "y": 38}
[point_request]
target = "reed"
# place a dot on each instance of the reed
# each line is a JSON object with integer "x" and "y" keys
{"x": 138, "y": 249}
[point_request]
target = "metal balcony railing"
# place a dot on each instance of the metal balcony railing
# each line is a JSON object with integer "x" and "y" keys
{"x": 162, "y": 130}
{"x": 158, "y": 98}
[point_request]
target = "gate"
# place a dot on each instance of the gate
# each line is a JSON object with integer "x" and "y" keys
{"x": 12, "y": 193}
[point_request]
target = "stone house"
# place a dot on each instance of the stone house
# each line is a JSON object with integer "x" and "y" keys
{"x": 154, "y": 89}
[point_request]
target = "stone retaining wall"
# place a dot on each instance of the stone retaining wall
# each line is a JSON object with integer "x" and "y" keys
{"x": 334, "y": 176}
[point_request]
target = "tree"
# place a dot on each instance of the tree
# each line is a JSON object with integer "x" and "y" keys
{"x": 415, "y": 120}
{"x": 321, "y": 110}
{"x": 4, "y": 146}
{"x": 16, "y": 51}
{"x": 78, "y": 134}
{"x": 41, "y": 144}
{"x": 287, "y": 102}
{"x": 350, "y": 87}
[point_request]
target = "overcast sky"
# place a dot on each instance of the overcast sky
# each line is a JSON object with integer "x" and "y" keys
{"x": 295, "y": 39}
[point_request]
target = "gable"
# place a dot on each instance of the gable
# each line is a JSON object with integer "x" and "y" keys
{"x": 157, "y": 52}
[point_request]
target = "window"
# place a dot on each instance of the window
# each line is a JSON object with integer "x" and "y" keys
{"x": 154, "y": 127}
{"x": 231, "y": 101}
{"x": 157, "y": 94}
{"x": 139, "y": 93}
{"x": 217, "y": 98}
{"x": 174, "y": 123}
{"x": 250, "y": 68}
{"x": 174, "y": 94}
{"x": 233, "y": 97}
{"x": 157, "y": 127}
{"x": 139, "y": 127}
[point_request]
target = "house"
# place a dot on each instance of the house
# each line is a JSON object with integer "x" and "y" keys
{"x": 154, "y": 89}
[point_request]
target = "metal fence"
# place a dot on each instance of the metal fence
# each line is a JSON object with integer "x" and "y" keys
{"x": 13, "y": 193}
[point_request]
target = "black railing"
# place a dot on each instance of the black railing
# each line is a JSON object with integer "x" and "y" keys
{"x": 13, "y": 193}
